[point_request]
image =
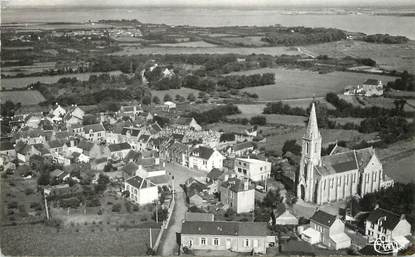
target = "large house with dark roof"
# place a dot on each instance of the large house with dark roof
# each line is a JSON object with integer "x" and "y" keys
{"x": 142, "y": 191}
{"x": 237, "y": 194}
{"x": 205, "y": 158}
{"x": 328, "y": 230}
{"x": 339, "y": 175}
{"x": 240, "y": 237}
{"x": 386, "y": 225}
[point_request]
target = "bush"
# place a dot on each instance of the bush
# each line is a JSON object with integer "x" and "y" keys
{"x": 229, "y": 213}
{"x": 28, "y": 191}
{"x": 72, "y": 202}
{"x": 136, "y": 208}
{"x": 12, "y": 205}
{"x": 94, "y": 202}
{"x": 258, "y": 120}
{"x": 116, "y": 207}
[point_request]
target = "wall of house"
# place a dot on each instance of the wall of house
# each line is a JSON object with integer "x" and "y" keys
{"x": 403, "y": 228}
{"x": 245, "y": 201}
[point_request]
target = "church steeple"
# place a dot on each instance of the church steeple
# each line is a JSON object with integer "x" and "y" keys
{"x": 312, "y": 127}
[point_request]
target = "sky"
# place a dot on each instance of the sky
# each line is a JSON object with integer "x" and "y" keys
{"x": 328, "y": 3}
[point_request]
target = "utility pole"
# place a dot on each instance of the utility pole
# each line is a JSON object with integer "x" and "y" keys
{"x": 151, "y": 240}
{"x": 157, "y": 213}
{"x": 46, "y": 207}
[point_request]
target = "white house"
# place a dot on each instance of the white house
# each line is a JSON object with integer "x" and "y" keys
{"x": 254, "y": 169}
{"x": 387, "y": 226}
{"x": 94, "y": 132}
{"x": 119, "y": 151}
{"x": 282, "y": 216}
{"x": 238, "y": 195}
{"x": 57, "y": 112}
{"x": 328, "y": 230}
{"x": 205, "y": 158}
{"x": 170, "y": 105}
{"x": 141, "y": 190}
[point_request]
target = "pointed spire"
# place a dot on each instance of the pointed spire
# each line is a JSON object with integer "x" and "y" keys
{"x": 312, "y": 127}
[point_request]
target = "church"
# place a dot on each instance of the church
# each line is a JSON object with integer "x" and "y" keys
{"x": 341, "y": 174}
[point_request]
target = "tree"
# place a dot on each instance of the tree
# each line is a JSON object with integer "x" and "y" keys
{"x": 43, "y": 179}
{"x": 258, "y": 120}
{"x": 191, "y": 97}
{"x": 156, "y": 100}
{"x": 146, "y": 100}
{"x": 103, "y": 181}
{"x": 272, "y": 199}
{"x": 167, "y": 97}
{"x": 291, "y": 146}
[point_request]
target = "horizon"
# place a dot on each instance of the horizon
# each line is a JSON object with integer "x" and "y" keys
{"x": 208, "y": 3}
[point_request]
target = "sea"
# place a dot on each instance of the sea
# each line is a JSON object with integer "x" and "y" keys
{"x": 354, "y": 20}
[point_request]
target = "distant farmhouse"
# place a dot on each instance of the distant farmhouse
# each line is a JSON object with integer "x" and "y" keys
{"x": 341, "y": 174}
{"x": 371, "y": 87}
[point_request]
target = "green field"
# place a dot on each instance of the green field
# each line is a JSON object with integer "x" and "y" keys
{"x": 186, "y": 44}
{"x": 40, "y": 240}
{"x": 135, "y": 50}
{"x": 306, "y": 84}
{"x": 389, "y": 56}
{"x": 25, "y": 97}
{"x": 11, "y": 83}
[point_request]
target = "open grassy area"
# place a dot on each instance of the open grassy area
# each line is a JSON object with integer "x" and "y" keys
{"x": 11, "y": 83}
{"x": 389, "y": 56}
{"x": 306, "y": 84}
{"x": 246, "y": 41}
{"x": 279, "y": 119}
{"x": 25, "y": 97}
{"x": 40, "y": 240}
{"x": 134, "y": 50}
{"x": 187, "y": 44}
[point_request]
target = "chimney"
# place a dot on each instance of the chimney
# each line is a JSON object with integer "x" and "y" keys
{"x": 403, "y": 217}
{"x": 376, "y": 206}
{"x": 164, "y": 164}
{"x": 157, "y": 161}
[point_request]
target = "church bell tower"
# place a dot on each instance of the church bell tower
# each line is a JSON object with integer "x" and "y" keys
{"x": 310, "y": 158}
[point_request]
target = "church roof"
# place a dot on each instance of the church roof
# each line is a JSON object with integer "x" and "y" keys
{"x": 345, "y": 161}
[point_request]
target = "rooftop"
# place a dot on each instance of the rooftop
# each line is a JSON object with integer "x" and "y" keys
{"x": 323, "y": 218}
{"x": 227, "y": 228}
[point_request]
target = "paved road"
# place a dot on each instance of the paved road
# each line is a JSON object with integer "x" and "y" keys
{"x": 181, "y": 174}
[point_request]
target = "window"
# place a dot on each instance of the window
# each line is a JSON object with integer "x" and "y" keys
{"x": 256, "y": 243}
{"x": 239, "y": 170}
{"x": 306, "y": 147}
{"x": 246, "y": 244}
{"x": 324, "y": 185}
{"x": 216, "y": 241}
{"x": 203, "y": 241}
{"x": 204, "y": 162}
{"x": 260, "y": 168}
{"x": 315, "y": 148}
{"x": 374, "y": 177}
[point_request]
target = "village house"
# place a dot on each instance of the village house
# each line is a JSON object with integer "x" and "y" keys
{"x": 56, "y": 146}
{"x": 185, "y": 123}
{"x": 141, "y": 190}
{"x": 204, "y": 158}
{"x": 94, "y": 132}
{"x": 7, "y": 148}
{"x": 119, "y": 151}
{"x": 337, "y": 176}
{"x": 57, "y": 113}
{"x": 242, "y": 237}
{"x": 371, "y": 87}
{"x": 253, "y": 131}
{"x": 238, "y": 194}
{"x": 33, "y": 120}
{"x": 131, "y": 111}
{"x": 169, "y": 105}
{"x": 240, "y": 149}
{"x": 327, "y": 230}
{"x": 387, "y": 226}
{"x": 177, "y": 153}
{"x": 73, "y": 116}
{"x": 283, "y": 216}
{"x": 199, "y": 216}
{"x": 213, "y": 180}
{"x": 31, "y": 136}
{"x": 253, "y": 169}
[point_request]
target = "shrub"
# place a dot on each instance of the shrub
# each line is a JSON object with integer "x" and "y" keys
{"x": 12, "y": 205}
{"x": 28, "y": 191}
{"x": 116, "y": 207}
{"x": 136, "y": 208}
{"x": 72, "y": 202}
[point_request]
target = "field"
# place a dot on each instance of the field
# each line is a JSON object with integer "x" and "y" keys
{"x": 245, "y": 41}
{"x": 187, "y": 44}
{"x": 36, "y": 67}
{"x": 389, "y": 56}
{"x": 306, "y": 84}
{"x": 279, "y": 119}
{"x": 25, "y": 97}
{"x": 134, "y": 50}
{"x": 378, "y": 101}
{"x": 40, "y": 240}
{"x": 23, "y": 82}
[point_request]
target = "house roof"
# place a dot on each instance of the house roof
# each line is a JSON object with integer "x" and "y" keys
{"x": 144, "y": 138}
{"x": 132, "y": 155}
{"x": 85, "y": 145}
{"x": 94, "y": 127}
{"x": 323, "y": 218}
{"x": 236, "y": 185}
{"x": 184, "y": 121}
{"x": 159, "y": 180}
{"x": 56, "y": 143}
{"x": 132, "y": 131}
{"x": 41, "y": 148}
{"x": 178, "y": 147}
{"x": 225, "y": 228}
{"x": 119, "y": 147}
{"x": 203, "y": 152}
{"x": 155, "y": 128}
{"x": 243, "y": 145}
{"x": 6, "y": 145}
{"x": 178, "y": 137}
{"x": 199, "y": 216}
{"x": 135, "y": 181}
{"x": 214, "y": 174}
{"x": 339, "y": 149}
{"x": 371, "y": 82}
{"x": 130, "y": 168}
{"x": 390, "y": 219}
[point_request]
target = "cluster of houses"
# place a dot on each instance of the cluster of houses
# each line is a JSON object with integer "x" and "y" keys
{"x": 371, "y": 87}
{"x": 131, "y": 147}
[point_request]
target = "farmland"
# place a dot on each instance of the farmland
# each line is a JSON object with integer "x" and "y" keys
{"x": 40, "y": 240}
{"x": 303, "y": 83}
{"x": 389, "y": 56}
{"x": 187, "y": 44}
{"x": 131, "y": 50}
{"x": 11, "y": 83}
{"x": 25, "y": 97}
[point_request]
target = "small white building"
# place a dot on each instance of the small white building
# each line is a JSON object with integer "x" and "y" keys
{"x": 253, "y": 169}
{"x": 142, "y": 191}
{"x": 170, "y": 105}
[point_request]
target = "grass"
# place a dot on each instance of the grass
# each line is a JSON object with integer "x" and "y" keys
{"x": 187, "y": 44}
{"x": 134, "y": 50}
{"x": 279, "y": 119}
{"x": 389, "y": 56}
{"x": 306, "y": 84}
{"x": 39, "y": 240}
{"x": 25, "y": 97}
{"x": 173, "y": 92}
{"x": 11, "y": 83}
{"x": 246, "y": 41}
